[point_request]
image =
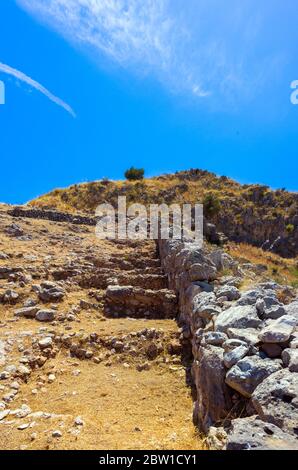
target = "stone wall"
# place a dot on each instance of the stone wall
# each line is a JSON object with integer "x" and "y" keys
{"x": 245, "y": 356}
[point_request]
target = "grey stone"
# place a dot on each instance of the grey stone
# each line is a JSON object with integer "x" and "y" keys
{"x": 45, "y": 343}
{"x": 45, "y": 315}
{"x": 249, "y": 335}
{"x": 254, "y": 434}
{"x": 215, "y": 338}
{"x": 249, "y": 372}
{"x": 292, "y": 309}
{"x": 271, "y": 350}
{"x": 238, "y": 317}
{"x": 231, "y": 292}
{"x": 290, "y": 359}
{"x": 27, "y": 312}
{"x": 214, "y": 400}
{"x": 231, "y": 344}
{"x": 249, "y": 297}
{"x": 278, "y": 331}
{"x": 274, "y": 312}
{"x": 235, "y": 355}
{"x": 276, "y": 400}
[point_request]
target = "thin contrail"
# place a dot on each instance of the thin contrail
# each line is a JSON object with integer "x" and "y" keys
{"x": 24, "y": 78}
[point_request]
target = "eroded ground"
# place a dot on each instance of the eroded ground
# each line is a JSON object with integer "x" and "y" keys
{"x": 80, "y": 379}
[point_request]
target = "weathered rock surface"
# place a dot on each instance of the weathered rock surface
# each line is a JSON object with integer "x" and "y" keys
{"x": 276, "y": 400}
{"x": 249, "y": 372}
{"x": 214, "y": 398}
{"x": 238, "y": 317}
{"x": 278, "y": 331}
{"x": 254, "y": 434}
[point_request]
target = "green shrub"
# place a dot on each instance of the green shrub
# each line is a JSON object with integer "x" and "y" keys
{"x": 211, "y": 205}
{"x": 134, "y": 174}
{"x": 290, "y": 228}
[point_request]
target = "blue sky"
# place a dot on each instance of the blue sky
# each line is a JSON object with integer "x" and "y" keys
{"x": 162, "y": 84}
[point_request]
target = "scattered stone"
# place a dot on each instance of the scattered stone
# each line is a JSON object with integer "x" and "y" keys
{"x": 45, "y": 343}
{"x": 57, "y": 434}
{"x": 45, "y": 315}
{"x": 27, "y": 312}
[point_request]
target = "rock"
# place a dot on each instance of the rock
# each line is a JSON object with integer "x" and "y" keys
{"x": 217, "y": 438}
{"x": 260, "y": 306}
{"x": 51, "y": 378}
{"x": 22, "y": 412}
{"x": 214, "y": 338}
{"x": 152, "y": 351}
{"x": 50, "y": 292}
{"x": 274, "y": 312}
{"x": 27, "y": 312}
{"x": 278, "y": 331}
{"x": 276, "y": 400}
{"x": 45, "y": 315}
{"x": 238, "y": 317}
{"x": 45, "y": 343}
{"x": 248, "y": 335}
{"x": 79, "y": 421}
{"x": 254, "y": 434}
{"x": 290, "y": 359}
{"x": 204, "y": 305}
{"x": 9, "y": 297}
{"x": 23, "y": 371}
{"x": 271, "y": 350}
{"x": 214, "y": 400}
{"x": 231, "y": 344}
{"x": 23, "y": 426}
{"x": 231, "y": 292}
{"x": 249, "y": 372}
{"x": 3, "y": 414}
{"x": 249, "y": 297}
{"x": 202, "y": 271}
{"x": 292, "y": 309}
{"x": 56, "y": 434}
{"x": 235, "y": 355}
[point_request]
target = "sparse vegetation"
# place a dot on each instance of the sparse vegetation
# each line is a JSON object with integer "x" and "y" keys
{"x": 211, "y": 205}
{"x": 134, "y": 174}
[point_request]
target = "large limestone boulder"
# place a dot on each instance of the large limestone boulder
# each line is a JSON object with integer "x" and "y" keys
{"x": 276, "y": 400}
{"x": 238, "y": 317}
{"x": 254, "y": 434}
{"x": 278, "y": 331}
{"x": 214, "y": 398}
{"x": 249, "y": 372}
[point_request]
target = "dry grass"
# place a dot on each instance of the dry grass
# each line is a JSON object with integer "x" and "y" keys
{"x": 283, "y": 271}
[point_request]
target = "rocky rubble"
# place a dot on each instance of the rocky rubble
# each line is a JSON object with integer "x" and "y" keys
{"x": 244, "y": 349}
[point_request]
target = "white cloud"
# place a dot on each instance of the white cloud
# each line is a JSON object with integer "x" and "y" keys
{"x": 189, "y": 45}
{"x": 37, "y": 86}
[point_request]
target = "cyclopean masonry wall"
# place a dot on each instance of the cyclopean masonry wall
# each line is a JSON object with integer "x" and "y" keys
{"x": 245, "y": 356}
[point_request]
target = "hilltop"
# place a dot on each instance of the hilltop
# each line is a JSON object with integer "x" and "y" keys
{"x": 253, "y": 214}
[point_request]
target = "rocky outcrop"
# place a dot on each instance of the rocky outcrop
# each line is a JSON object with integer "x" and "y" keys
{"x": 244, "y": 350}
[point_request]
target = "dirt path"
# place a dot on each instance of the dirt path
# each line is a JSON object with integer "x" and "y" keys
{"x": 135, "y": 397}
